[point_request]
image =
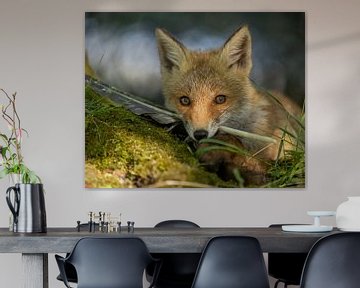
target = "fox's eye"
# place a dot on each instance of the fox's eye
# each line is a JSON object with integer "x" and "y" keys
{"x": 184, "y": 100}
{"x": 220, "y": 99}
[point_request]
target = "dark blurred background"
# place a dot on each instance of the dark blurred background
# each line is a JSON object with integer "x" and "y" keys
{"x": 122, "y": 50}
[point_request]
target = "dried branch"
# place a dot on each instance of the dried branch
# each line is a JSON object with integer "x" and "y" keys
{"x": 10, "y": 151}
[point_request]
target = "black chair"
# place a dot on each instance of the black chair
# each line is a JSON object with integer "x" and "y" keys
{"x": 333, "y": 262}
{"x": 232, "y": 262}
{"x": 286, "y": 267}
{"x": 69, "y": 269}
{"x": 108, "y": 263}
{"x": 176, "y": 224}
{"x": 178, "y": 269}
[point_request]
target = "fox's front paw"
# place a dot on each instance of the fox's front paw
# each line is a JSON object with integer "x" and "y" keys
{"x": 229, "y": 164}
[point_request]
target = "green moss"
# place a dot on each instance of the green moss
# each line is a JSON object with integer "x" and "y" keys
{"x": 125, "y": 150}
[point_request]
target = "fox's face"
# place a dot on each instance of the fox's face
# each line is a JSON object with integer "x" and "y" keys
{"x": 204, "y": 88}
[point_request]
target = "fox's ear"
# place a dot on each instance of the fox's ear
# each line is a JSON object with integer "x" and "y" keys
{"x": 171, "y": 51}
{"x": 237, "y": 50}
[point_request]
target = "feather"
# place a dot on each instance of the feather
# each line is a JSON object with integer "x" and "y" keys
{"x": 137, "y": 105}
{"x": 161, "y": 115}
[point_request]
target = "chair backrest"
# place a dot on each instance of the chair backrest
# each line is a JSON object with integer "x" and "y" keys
{"x": 110, "y": 262}
{"x": 176, "y": 224}
{"x": 287, "y": 267}
{"x": 232, "y": 262}
{"x": 178, "y": 269}
{"x": 333, "y": 262}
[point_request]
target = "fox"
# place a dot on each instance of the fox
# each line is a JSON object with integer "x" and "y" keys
{"x": 208, "y": 89}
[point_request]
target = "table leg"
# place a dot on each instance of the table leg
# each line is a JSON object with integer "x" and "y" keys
{"x": 35, "y": 270}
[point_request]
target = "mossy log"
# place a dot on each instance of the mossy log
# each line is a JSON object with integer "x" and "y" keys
{"x": 124, "y": 150}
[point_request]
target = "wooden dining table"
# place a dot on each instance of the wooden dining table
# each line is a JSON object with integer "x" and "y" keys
{"x": 35, "y": 247}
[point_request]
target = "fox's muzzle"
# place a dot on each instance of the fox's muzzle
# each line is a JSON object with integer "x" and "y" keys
{"x": 200, "y": 134}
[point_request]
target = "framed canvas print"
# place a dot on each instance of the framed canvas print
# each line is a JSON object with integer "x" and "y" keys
{"x": 203, "y": 99}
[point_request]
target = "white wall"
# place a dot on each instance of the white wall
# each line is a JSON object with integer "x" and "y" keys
{"x": 41, "y": 57}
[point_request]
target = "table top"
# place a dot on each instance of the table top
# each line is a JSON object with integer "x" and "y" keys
{"x": 158, "y": 240}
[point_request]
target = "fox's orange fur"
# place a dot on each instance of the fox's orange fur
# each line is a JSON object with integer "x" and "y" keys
{"x": 209, "y": 89}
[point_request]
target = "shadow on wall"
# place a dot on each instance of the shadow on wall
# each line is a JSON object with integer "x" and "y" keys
{"x": 345, "y": 39}
{"x": 335, "y": 59}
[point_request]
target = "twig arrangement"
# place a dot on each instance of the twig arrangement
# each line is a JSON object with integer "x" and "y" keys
{"x": 12, "y": 161}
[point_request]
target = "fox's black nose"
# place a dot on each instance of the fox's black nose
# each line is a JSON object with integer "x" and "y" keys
{"x": 200, "y": 134}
